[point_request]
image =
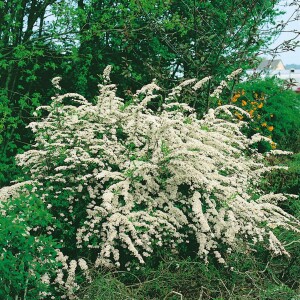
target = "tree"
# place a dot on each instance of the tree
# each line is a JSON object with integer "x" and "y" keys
{"x": 142, "y": 39}
{"x": 28, "y": 57}
{"x": 169, "y": 39}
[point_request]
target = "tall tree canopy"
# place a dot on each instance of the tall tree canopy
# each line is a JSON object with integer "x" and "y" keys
{"x": 142, "y": 39}
{"x": 168, "y": 39}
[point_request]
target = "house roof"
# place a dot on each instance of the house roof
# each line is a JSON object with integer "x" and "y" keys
{"x": 269, "y": 64}
{"x": 282, "y": 74}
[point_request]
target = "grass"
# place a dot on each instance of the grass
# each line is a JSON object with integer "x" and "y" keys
{"x": 191, "y": 279}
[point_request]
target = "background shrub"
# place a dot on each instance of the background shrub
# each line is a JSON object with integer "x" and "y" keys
{"x": 28, "y": 253}
{"x": 274, "y": 110}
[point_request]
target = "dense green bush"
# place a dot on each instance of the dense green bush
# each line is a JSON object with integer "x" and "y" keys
{"x": 274, "y": 110}
{"x": 24, "y": 85}
{"x": 28, "y": 252}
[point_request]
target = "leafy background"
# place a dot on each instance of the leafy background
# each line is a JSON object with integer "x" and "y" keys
{"x": 142, "y": 40}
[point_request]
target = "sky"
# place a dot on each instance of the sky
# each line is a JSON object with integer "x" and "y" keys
{"x": 290, "y": 57}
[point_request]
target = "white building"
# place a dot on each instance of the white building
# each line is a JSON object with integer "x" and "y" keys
{"x": 276, "y": 68}
{"x": 274, "y": 65}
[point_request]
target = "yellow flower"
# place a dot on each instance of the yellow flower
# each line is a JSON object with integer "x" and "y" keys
{"x": 219, "y": 103}
{"x": 235, "y": 97}
{"x": 271, "y": 128}
{"x": 243, "y": 92}
{"x": 264, "y": 124}
{"x": 260, "y": 105}
{"x": 273, "y": 145}
{"x": 239, "y": 116}
{"x": 251, "y": 112}
{"x": 244, "y": 103}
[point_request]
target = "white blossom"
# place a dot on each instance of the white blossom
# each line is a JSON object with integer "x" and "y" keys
{"x": 55, "y": 82}
{"x": 106, "y": 74}
{"x": 218, "y": 90}
{"x": 201, "y": 82}
{"x": 149, "y": 179}
{"x": 234, "y": 74}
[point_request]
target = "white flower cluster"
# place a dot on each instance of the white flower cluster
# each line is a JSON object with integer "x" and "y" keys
{"x": 146, "y": 180}
{"x": 13, "y": 190}
{"x": 55, "y": 81}
{"x": 219, "y": 89}
{"x": 201, "y": 82}
{"x": 258, "y": 138}
{"x": 234, "y": 74}
{"x": 65, "y": 276}
{"x": 106, "y": 74}
{"x": 177, "y": 90}
{"x": 279, "y": 152}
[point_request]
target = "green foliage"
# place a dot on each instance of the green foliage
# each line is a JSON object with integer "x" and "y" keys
{"x": 27, "y": 251}
{"x": 275, "y": 113}
{"x": 251, "y": 277}
{"x": 20, "y": 95}
{"x": 165, "y": 40}
{"x": 287, "y": 181}
{"x": 142, "y": 40}
{"x": 27, "y": 63}
{"x": 274, "y": 110}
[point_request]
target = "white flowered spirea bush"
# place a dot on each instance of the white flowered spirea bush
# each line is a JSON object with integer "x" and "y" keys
{"x": 123, "y": 180}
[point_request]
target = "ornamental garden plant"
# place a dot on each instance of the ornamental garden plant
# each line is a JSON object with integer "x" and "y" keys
{"x": 273, "y": 108}
{"x": 115, "y": 183}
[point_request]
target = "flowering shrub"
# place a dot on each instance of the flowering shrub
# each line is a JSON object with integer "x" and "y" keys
{"x": 254, "y": 108}
{"x": 122, "y": 181}
{"x": 273, "y": 111}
